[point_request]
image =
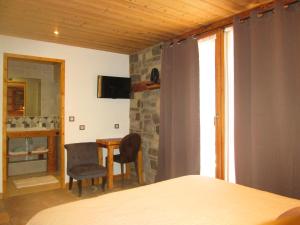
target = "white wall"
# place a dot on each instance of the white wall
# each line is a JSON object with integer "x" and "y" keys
{"x": 82, "y": 67}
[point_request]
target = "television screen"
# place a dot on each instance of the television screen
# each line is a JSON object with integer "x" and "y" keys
{"x": 113, "y": 87}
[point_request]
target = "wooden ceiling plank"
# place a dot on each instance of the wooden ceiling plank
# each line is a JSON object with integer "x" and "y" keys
{"x": 92, "y": 39}
{"x": 195, "y": 7}
{"x": 149, "y": 9}
{"x": 67, "y": 40}
{"x": 37, "y": 22}
{"x": 114, "y": 15}
{"x": 59, "y": 14}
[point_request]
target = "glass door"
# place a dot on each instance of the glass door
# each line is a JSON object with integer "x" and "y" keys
{"x": 212, "y": 104}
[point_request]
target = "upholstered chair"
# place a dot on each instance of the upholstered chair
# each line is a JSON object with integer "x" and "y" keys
{"x": 83, "y": 163}
{"x": 129, "y": 147}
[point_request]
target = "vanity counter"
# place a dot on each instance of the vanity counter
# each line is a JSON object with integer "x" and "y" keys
{"x": 31, "y": 132}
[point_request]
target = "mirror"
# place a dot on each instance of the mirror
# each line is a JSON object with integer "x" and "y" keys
{"x": 16, "y": 98}
{"x": 40, "y": 82}
{"x": 24, "y": 97}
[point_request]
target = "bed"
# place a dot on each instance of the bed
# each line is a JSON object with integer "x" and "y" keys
{"x": 189, "y": 200}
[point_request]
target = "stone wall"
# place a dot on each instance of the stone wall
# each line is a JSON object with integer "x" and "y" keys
{"x": 145, "y": 108}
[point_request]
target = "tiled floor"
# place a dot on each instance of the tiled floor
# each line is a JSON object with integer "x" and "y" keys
{"x": 18, "y": 210}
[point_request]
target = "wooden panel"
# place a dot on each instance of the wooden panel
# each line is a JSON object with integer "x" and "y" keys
{"x": 38, "y": 133}
{"x": 62, "y": 123}
{"x": 145, "y": 86}
{"x": 4, "y": 119}
{"x": 124, "y": 26}
{"x": 220, "y": 105}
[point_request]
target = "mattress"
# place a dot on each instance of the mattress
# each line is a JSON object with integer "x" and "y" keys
{"x": 189, "y": 200}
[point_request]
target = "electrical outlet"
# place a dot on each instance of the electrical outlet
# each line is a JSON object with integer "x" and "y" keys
{"x": 117, "y": 126}
{"x": 81, "y": 127}
{"x": 71, "y": 118}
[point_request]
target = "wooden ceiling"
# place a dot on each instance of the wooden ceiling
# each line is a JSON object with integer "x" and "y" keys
{"x": 123, "y": 26}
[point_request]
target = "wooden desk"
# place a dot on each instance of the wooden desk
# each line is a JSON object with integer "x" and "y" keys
{"x": 111, "y": 144}
{"x": 50, "y": 134}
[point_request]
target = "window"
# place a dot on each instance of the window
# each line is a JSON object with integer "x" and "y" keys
{"x": 207, "y": 92}
{"x": 217, "y": 105}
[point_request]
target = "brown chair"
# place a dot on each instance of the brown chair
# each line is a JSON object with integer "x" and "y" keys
{"x": 129, "y": 148}
{"x": 83, "y": 163}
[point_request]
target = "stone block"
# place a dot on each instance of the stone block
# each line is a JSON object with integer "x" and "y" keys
{"x": 132, "y": 68}
{"x": 137, "y": 116}
{"x": 147, "y": 117}
{"x": 156, "y": 58}
{"x": 153, "y": 151}
{"x": 156, "y": 50}
{"x": 155, "y": 118}
{"x": 144, "y": 71}
{"x": 133, "y": 58}
{"x": 153, "y": 164}
{"x": 135, "y": 78}
{"x": 148, "y": 55}
{"x": 148, "y": 126}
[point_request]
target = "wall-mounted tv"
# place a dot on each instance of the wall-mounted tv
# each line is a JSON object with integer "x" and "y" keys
{"x": 113, "y": 87}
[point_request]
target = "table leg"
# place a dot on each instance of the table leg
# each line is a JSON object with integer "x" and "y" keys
{"x": 140, "y": 166}
{"x": 51, "y": 154}
{"x": 110, "y": 172}
{"x": 100, "y": 158}
{"x": 100, "y": 155}
{"x": 127, "y": 175}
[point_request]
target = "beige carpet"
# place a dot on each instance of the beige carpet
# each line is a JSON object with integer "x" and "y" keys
{"x": 35, "y": 181}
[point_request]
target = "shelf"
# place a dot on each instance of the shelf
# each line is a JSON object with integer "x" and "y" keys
{"x": 28, "y": 153}
{"x": 28, "y": 160}
{"x": 145, "y": 86}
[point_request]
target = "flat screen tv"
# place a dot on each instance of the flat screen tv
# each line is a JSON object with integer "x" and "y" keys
{"x": 113, "y": 87}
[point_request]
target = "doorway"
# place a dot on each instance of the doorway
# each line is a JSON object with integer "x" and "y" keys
{"x": 33, "y": 124}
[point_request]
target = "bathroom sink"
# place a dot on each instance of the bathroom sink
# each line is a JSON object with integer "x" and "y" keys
{"x": 12, "y": 129}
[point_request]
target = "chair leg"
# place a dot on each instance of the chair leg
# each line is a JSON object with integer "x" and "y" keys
{"x": 122, "y": 172}
{"x": 103, "y": 183}
{"x": 136, "y": 169}
{"x": 93, "y": 181}
{"x": 79, "y": 183}
{"x": 70, "y": 183}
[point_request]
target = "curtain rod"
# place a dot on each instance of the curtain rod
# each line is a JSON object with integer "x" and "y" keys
{"x": 266, "y": 8}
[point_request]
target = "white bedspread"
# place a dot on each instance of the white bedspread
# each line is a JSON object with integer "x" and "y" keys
{"x": 190, "y": 200}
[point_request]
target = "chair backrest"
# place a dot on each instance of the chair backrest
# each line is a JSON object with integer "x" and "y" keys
{"x": 129, "y": 147}
{"x": 81, "y": 154}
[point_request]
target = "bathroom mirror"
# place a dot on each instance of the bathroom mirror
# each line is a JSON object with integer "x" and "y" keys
{"x": 41, "y": 88}
{"x": 16, "y": 98}
{"x": 24, "y": 97}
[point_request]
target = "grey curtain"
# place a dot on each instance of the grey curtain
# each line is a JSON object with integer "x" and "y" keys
{"x": 179, "y": 151}
{"x": 267, "y": 100}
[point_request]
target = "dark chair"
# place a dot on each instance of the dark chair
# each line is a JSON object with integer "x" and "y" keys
{"x": 83, "y": 163}
{"x": 129, "y": 148}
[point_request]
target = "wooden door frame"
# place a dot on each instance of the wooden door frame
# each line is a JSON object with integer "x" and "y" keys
{"x": 220, "y": 105}
{"x": 6, "y": 57}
